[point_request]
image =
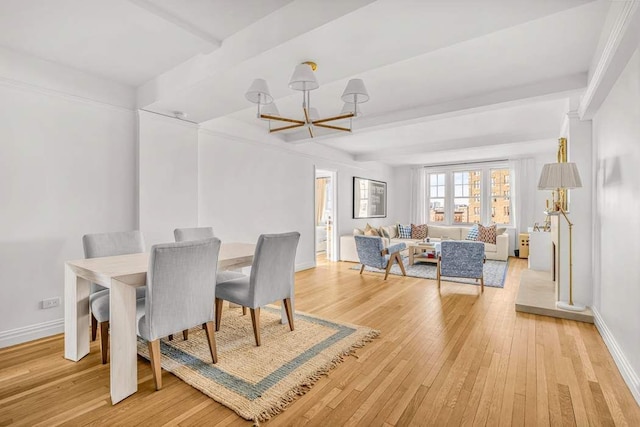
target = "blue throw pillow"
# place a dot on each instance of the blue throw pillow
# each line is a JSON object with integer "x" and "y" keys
{"x": 473, "y": 233}
{"x": 404, "y": 231}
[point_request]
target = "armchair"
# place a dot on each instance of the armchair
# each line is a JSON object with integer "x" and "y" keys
{"x": 461, "y": 259}
{"x": 372, "y": 252}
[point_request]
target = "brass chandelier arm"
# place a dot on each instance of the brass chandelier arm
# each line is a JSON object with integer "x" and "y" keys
{"x": 330, "y": 119}
{"x": 282, "y": 119}
{"x": 306, "y": 115}
{"x": 333, "y": 127}
{"x": 286, "y": 127}
{"x": 310, "y": 132}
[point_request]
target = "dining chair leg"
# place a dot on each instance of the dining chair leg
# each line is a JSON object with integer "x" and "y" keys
{"x": 104, "y": 340}
{"x": 244, "y": 311}
{"x": 94, "y": 327}
{"x": 154, "y": 357}
{"x": 218, "y": 313}
{"x": 287, "y": 308}
{"x": 185, "y": 334}
{"x": 438, "y": 274}
{"x": 211, "y": 338}
{"x": 482, "y": 284}
{"x": 400, "y": 263}
{"x": 255, "y": 319}
{"x": 362, "y": 269}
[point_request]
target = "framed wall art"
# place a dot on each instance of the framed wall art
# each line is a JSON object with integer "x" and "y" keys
{"x": 369, "y": 198}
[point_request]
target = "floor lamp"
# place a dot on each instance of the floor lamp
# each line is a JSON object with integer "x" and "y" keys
{"x": 556, "y": 176}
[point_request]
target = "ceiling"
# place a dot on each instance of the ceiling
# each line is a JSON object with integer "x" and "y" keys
{"x": 444, "y": 77}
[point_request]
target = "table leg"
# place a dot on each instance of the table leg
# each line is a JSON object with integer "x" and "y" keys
{"x": 76, "y": 315}
{"x": 412, "y": 252}
{"x": 123, "y": 346}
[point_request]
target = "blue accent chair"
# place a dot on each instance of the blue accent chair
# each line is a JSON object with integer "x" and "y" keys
{"x": 459, "y": 258}
{"x": 372, "y": 252}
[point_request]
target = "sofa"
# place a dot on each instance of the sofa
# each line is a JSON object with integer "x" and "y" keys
{"x": 498, "y": 251}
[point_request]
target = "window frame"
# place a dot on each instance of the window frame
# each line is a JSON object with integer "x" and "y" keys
{"x": 486, "y": 197}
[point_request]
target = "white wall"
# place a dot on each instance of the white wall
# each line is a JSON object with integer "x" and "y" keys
{"x": 248, "y": 188}
{"x": 168, "y": 173}
{"x": 67, "y": 168}
{"x": 616, "y": 296}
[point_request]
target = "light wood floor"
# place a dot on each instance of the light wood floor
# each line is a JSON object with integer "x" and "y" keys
{"x": 449, "y": 358}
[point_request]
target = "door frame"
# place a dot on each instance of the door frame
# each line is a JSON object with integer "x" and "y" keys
{"x": 334, "y": 211}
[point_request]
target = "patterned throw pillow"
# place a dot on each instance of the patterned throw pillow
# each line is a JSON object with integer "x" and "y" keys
{"x": 419, "y": 231}
{"x": 370, "y": 231}
{"x": 487, "y": 234}
{"x": 404, "y": 231}
{"x": 473, "y": 233}
{"x": 383, "y": 232}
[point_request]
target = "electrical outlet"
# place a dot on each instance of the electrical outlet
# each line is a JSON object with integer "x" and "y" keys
{"x": 51, "y": 302}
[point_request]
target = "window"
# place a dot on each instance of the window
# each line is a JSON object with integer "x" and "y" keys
{"x": 436, "y": 197}
{"x": 466, "y": 196}
{"x": 464, "y": 206}
{"x": 500, "y": 196}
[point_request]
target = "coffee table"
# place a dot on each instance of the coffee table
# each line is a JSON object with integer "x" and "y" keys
{"x": 418, "y": 252}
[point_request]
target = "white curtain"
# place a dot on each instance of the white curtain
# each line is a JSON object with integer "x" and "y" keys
{"x": 418, "y": 195}
{"x": 523, "y": 194}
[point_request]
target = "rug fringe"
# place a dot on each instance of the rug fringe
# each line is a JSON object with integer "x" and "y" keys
{"x": 307, "y": 384}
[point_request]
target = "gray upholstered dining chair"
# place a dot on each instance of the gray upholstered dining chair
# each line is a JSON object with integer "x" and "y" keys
{"x": 195, "y": 233}
{"x": 199, "y": 233}
{"x": 102, "y": 245}
{"x": 372, "y": 252}
{"x": 181, "y": 285}
{"x": 271, "y": 279}
{"x": 461, "y": 258}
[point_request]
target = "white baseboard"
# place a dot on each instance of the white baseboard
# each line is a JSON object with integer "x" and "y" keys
{"x": 305, "y": 266}
{"x": 625, "y": 368}
{"x": 31, "y": 332}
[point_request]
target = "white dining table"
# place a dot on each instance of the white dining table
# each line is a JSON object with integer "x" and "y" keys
{"x": 121, "y": 274}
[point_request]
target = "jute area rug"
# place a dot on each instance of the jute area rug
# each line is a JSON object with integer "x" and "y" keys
{"x": 260, "y": 382}
{"x": 494, "y": 272}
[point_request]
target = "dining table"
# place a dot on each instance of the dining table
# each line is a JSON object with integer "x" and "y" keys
{"x": 121, "y": 275}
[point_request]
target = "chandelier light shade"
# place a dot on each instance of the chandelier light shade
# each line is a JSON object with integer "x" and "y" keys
{"x": 258, "y": 92}
{"x": 304, "y": 80}
{"x": 355, "y": 92}
{"x": 270, "y": 109}
{"x": 559, "y": 175}
{"x": 313, "y": 114}
{"x": 351, "y": 108}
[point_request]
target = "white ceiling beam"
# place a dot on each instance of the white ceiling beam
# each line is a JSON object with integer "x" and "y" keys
{"x": 560, "y": 87}
{"x": 492, "y": 152}
{"x": 272, "y": 30}
{"x": 161, "y": 13}
{"x": 619, "y": 41}
{"x": 476, "y": 142}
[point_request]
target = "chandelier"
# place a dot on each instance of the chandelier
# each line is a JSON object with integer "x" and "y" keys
{"x": 304, "y": 80}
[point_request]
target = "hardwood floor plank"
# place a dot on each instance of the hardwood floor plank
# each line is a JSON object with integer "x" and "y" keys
{"x": 448, "y": 358}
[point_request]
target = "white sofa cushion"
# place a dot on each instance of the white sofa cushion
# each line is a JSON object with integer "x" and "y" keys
{"x": 440, "y": 231}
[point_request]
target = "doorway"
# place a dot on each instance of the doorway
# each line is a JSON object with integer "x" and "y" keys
{"x": 325, "y": 215}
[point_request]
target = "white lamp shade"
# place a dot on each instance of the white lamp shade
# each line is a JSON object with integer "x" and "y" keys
{"x": 355, "y": 92}
{"x": 313, "y": 114}
{"x": 559, "y": 175}
{"x": 270, "y": 110}
{"x": 303, "y": 78}
{"x": 258, "y": 92}
{"x": 351, "y": 108}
